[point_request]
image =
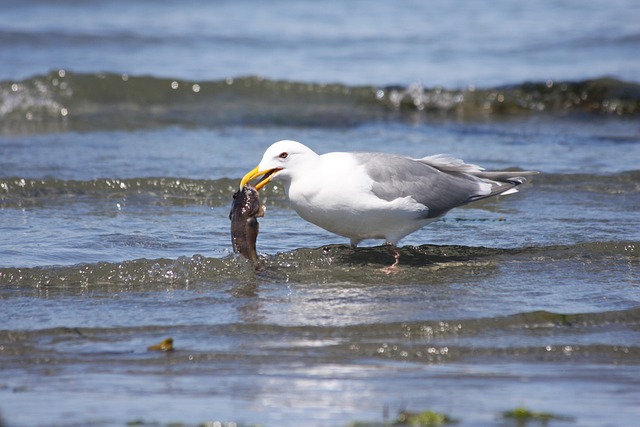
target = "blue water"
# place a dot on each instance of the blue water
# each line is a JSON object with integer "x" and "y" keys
{"x": 453, "y": 44}
{"x": 125, "y": 127}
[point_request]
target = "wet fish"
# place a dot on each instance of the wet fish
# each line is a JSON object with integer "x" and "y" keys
{"x": 245, "y": 210}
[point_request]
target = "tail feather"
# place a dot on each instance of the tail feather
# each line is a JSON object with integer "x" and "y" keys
{"x": 515, "y": 177}
{"x": 502, "y": 183}
{"x": 447, "y": 163}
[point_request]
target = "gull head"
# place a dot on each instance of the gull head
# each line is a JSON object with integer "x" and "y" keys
{"x": 282, "y": 160}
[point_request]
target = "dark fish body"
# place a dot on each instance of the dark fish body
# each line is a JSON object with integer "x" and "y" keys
{"x": 245, "y": 210}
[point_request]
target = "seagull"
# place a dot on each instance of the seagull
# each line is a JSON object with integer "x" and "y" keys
{"x": 369, "y": 195}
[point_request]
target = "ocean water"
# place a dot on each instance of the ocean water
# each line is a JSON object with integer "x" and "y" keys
{"x": 125, "y": 128}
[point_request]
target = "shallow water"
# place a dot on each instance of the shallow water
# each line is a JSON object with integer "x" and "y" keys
{"x": 518, "y": 301}
{"x": 116, "y": 176}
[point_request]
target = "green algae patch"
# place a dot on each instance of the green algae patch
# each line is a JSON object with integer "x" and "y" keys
{"x": 423, "y": 419}
{"x": 522, "y": 416}
{"x": 411, "y": 419}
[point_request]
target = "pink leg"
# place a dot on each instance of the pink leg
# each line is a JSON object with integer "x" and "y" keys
{"x": 393, "y": 268}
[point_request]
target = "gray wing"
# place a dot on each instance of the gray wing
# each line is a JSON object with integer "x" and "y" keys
{"x": 440, "y": 183}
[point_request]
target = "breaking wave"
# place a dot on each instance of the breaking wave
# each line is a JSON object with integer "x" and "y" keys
{"x": 24, "y": 192}
{"x": 64, "y": 100}
{"x": 329, "y": 263}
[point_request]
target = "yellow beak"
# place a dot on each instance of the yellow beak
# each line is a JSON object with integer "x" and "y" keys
{"x": 256, "y": 172}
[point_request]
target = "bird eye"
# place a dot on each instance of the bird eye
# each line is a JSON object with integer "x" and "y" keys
{"x": 284, "y": 155}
